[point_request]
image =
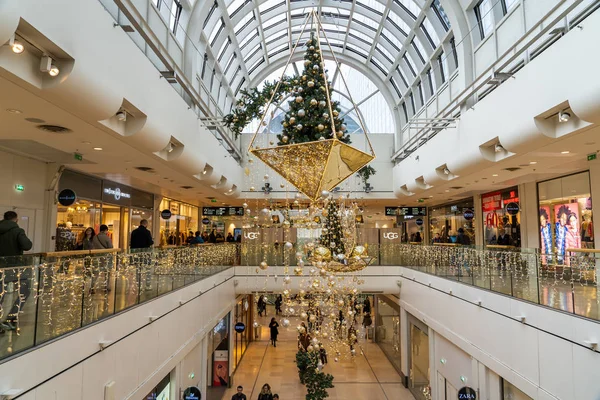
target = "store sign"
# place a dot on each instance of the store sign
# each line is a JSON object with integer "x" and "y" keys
{"x": 205, "y": 221}
{"x": 467, "y": 393}
{"x": 240, "y": 327}
{"x": 251, "y": 235}
{"x": 116, "y": 193}
{"x": 174, "y": 207}
{"x": 390, "y": 235}
{"x": 165, "y": 214}
{"x": 192, "y": 393}
{"x": 419, "y": 221}
{"x": 491, "y": 201}
{"x": 468, "y": 214}
{"x": 512, "y": 208}
{"x": 406, "y": 211}
{"x": 67, "y": 197}
{"x": 223, "y": 211}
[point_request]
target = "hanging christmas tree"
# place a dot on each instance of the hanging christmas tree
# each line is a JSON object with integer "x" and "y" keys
{"x": 309, "y": 117}
{"x": 332, "y": 234}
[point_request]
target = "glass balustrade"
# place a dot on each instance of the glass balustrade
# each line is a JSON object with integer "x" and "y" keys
{"x": 44, "y": 296}
{"x": 564, "y": 282}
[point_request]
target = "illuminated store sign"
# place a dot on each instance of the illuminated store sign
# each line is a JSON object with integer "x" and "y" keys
{"x": 118, "y": 195}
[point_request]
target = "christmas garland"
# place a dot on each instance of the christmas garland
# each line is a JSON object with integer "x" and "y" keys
{"x": 252, "y": 102}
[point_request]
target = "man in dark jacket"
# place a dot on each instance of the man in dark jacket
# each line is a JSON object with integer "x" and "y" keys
{"x": 239, "y": 395}
{"x": 141, "y": 238}
{"x": 13, "y": 240}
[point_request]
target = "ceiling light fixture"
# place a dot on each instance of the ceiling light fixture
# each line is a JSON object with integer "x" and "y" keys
{"x": 16, "y": 46}
{"x": 170, "y": 148}
{"x": 565, "y": 152}
{"x": 98, "y": 148}
{"x": 47, "y": 65}
{"x": 122, "y": 116}
{"x": 563, "y": 116}
{"x": 495, "y": 175}
{"x": 86, "y": 142}
{"x": 498, "y": 148}
{"x": 54, "y": 71}
{"x": 14, "y": 111}
{"x": 532, "y": 162}
{"x": 446, "y": 171}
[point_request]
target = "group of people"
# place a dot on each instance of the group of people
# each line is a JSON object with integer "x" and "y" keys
{"x": 265, "y": 393}
{"x": 458, "y": 237}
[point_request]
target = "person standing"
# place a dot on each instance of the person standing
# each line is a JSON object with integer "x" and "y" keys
{"x": 274, "y": 331}
{"x": 239, "y": 395}
{"x": 366, "y": 306}
{"x": 13, "y": 240}
{"x": 87, "y": 243}
{"x": 141, "y": 238}
{"x": 198, "y": 239}
{"x": 101, "y": 240}
{"x": 260, "y": 305}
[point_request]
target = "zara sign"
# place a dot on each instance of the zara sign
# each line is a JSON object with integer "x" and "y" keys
{"x": 467, "y": 393}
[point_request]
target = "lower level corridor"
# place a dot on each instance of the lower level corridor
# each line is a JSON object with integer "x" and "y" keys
{"x": 370, "y": 376}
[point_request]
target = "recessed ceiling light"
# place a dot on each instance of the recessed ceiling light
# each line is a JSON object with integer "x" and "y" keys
{"x": 532, "y": 162}
{"x": 14, "y": 111}
{"x": 565, "y": 152}
{"x": 84, "y": 142}
{"x": 495, "y": 175}
{"x": 430, "y": 196}
{"x": 446, "y": 190}
{"x": 98, "y": 148}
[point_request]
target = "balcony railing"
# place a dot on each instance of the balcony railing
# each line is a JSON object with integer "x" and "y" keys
{"x": 46, "y": 295}
{"x": 564, "y": 282}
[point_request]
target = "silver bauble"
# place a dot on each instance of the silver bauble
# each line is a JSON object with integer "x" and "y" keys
{"x": 311, "y": 83}
{"x": 322, "y": 103}
{"x": 288, "y": 245}
{"x": 301, "y": 112}
{"x": 299, "y": 127}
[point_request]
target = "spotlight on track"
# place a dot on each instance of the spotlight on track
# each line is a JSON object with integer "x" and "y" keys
{"x": 564, "y": 116}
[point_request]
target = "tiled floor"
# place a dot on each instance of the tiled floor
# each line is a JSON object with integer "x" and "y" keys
{"x": 370, "y": 376}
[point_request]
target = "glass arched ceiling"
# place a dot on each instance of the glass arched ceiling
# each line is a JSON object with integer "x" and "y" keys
{"x": 401, "y": 45}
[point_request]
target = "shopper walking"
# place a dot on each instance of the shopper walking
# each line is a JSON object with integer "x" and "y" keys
{"x": 278, "y": 302}
{"x": 13, "y": 240}
{"x": 265, "y": 393}
{"x": 239, "y": 395}
{"x": 274, "y": 331}
{"x": 261, "y": 305}
{"x": 141, "y": 238}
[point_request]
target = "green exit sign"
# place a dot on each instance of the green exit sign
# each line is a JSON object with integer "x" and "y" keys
{"x": 78, "y": 156}
{"x": 19, "y": 188}
{"x": 213, "y": 200}
{"x": 591, "y": 156}
{"x": 421, "y": 200}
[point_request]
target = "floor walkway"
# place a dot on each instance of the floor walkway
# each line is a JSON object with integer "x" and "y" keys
{"x": 370, "y": 376}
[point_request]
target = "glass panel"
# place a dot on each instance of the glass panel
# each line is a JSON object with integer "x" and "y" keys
{"x": 485, "y": 17}
{"x": 243, "y": 22}
{"x": 419, "y": 365}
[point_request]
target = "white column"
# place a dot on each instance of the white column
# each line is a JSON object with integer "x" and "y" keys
{"x": 53, "y": 173}
{"x": 433, "y": 374}
{"x": 156, "y": 219}
{"x": 530, "y": 222}
{"x": 477, "y": 210}
{"x": 405, "y": 347}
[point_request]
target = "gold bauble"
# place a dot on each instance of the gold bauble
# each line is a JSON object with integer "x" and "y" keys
{"x": 292, "y": 120}
{"x": 320, "y": 127}
{"x": 336, "y": 113}
{"x": 314, "y": 102}
{"x": 297, "y": 271}
{"x": 359, "y": 251}
{"x": 252, "y": 188}
{"x": 340, "y": 135}
{"x": 304, "y": 77}
{"x": 285, "y": 139}
{"x": 322, "y": 253}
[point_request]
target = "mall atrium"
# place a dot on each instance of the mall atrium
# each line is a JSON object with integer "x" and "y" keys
{"x": 299, "y": 199}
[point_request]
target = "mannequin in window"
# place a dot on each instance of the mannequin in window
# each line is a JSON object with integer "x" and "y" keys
{"x": 587, "y": 229}
{"x": 546, "y": 235}
{"x": 562, "y": 217}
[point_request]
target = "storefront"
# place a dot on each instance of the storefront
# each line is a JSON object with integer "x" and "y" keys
{"x": 501, "y": 218}
{"x": 85, "y": 201}
{"x": 218, "y": 373}
{"x": 565, "y": 212}
{"x": 226, "y": 222}
{"x": 162, "y": 391}
{"x": 387, "y": 328}
{"x": 242, "y": 321}
{"x": 446, "y": 220}
{"x": 419, "y": 379}
{"x": 181, "y": 223}
{"x": 411, "y": 221}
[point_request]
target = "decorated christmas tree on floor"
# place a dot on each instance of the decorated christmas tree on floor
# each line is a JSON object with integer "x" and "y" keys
{"x": 332, "y": 232}
{"x": 309, "y": 117}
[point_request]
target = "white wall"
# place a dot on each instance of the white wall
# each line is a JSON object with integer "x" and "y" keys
{"x": 141, "y": 352}
{"x": 546, "y": 358}
{"x": 31, "y": 203}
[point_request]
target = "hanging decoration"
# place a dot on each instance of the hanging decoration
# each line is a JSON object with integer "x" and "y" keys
{"x": 312, "y": 151}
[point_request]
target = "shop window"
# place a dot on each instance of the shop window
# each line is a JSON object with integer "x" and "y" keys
{"x": 511, "y": 392}
{"x": 502, "y": 218}
{"x": 419, "y": 362}
{"x": 72, "y": 221}
{"x": 387, "y": 329}
{"x": 446, "y": 221}
{"x": 565, "y": 212}
{"x": 180, "y": 228}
